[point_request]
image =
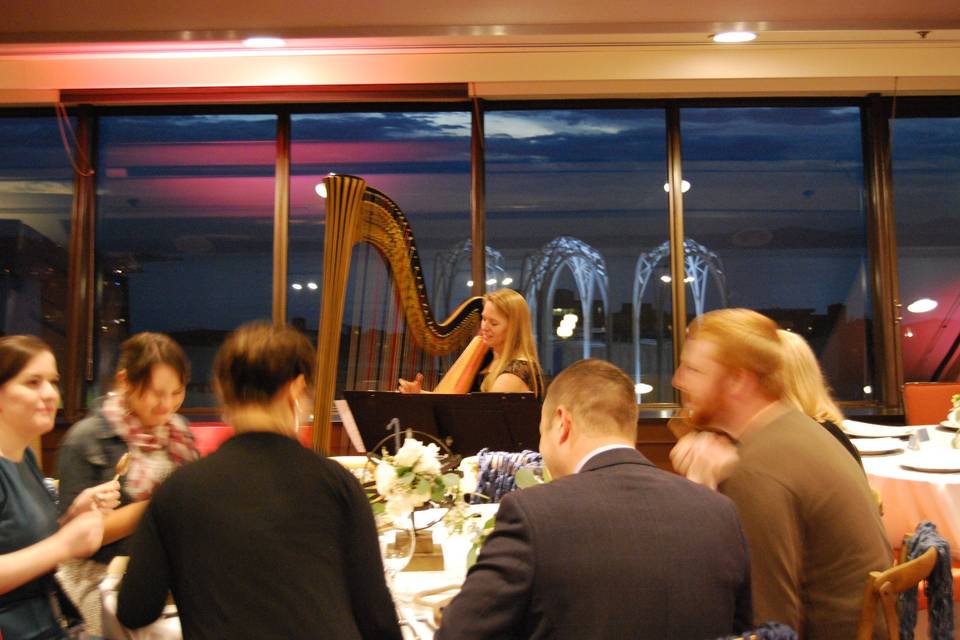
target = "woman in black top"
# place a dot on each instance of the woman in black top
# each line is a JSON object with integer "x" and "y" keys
{"x": 805, "y": 388}
{"x": 506, "y": 329}
{"x": 263, "y": 538}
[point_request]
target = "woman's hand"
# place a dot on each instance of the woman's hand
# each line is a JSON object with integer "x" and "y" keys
{"x": 102, "y": 497}
{"x": 82, "y": 535}
{"x": 411, "y": 386}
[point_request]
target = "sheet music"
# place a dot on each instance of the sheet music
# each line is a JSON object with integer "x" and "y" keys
{"x": 349, "y": 425}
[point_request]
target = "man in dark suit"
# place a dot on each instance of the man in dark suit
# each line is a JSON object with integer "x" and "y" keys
{"x": 613, "y": 547}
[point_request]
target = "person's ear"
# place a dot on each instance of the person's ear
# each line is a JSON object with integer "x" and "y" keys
{"x": 565, "y": 424}
{"x": 297, "y": 387}
{"x": 120, "y": 382}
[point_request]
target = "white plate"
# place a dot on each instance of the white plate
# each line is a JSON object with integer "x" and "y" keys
{"x": 953, "y": 426}
{"x": 934, "y": 460}
{"x": 870, "y": 430}
{"x": 876, "y": 446}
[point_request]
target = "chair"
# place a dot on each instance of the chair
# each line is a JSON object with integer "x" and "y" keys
{"x": 928, "y": 402}
{"x": 885, "y": 585}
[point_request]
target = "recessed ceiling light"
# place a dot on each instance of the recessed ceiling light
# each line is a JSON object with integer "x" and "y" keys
{"x": 734, "y": 36}
{"x": 684, "y": 186}
{"x": 922, "y": 305}
{"x": 263, "y": 42}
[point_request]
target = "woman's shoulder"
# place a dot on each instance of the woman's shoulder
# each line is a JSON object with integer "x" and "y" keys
{"x": 93, "y": 426}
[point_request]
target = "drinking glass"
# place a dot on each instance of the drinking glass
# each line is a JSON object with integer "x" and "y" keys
{"x": 397, "y": 540}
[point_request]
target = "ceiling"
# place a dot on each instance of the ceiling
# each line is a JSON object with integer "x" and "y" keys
{"x": 500, "y": 49}
{"x": 182, "y": 21}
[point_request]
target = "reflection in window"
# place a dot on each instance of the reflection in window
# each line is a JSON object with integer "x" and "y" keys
{"x": 574, "y": 200}
{"x": 774, "y": 217}
{"x": 184, "y": 232}
{"x": 36, "y": 197}
{"x": 926, "y": 182}
{"x": 421, "y": 160}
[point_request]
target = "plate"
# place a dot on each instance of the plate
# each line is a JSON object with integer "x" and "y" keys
{"x": 877, "y": 446}
{"x": 870, "y": 430}
{"x": 953, "y": 426}
{"x": 934, "y": 461}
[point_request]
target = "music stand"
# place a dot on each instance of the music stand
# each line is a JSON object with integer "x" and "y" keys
{"x": 465, "y": 423}
{"x": 373, "y": 411}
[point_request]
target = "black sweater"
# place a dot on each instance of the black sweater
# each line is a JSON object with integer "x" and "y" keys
{"x": 262, "y": 539}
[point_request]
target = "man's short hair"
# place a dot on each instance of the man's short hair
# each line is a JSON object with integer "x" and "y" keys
{"x": 599, "y": 394}
{"x": 744, "y": 339}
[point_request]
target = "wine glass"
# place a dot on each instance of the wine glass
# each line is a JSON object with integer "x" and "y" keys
{"x": 397, "y": 540}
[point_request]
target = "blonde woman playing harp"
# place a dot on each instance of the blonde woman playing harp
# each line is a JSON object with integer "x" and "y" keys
{"x": 506, "y": 333}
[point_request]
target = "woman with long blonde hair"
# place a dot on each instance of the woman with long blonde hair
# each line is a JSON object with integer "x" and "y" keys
{"x": 506, "y": 329}
{"x": 805, "y": 387}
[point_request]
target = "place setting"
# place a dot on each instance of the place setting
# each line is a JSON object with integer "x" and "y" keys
{"x": 878, "y": 446}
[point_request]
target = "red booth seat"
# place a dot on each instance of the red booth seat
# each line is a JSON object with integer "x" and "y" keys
{"x": 208, "y": 436}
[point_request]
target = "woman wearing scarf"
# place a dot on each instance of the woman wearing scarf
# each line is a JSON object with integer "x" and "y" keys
{"x": 139, "y": 417}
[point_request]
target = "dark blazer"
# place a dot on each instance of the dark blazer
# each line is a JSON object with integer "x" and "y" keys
{"x": 620, "y": 550}
{"x": 262, "y": 539}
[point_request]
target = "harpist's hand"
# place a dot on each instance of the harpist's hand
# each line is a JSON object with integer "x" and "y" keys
{"x": 411, "y": 386}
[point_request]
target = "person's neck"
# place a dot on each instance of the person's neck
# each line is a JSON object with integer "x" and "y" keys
{"x": 11, "y": 446}
{"x": 751, "y": 414}
{"x": 268, "y": 419}
{"x": 586, "y": 447}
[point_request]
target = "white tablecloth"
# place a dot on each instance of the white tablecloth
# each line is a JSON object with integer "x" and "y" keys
{"x": 417, "y": 619}
{"x": 910, "y": 497}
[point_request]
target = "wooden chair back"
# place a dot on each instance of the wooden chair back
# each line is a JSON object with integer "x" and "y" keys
{"x": 885, "y": 585}
{"x": 928, "y": 402}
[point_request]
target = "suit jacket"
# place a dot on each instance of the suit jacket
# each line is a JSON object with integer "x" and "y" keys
{"x": 620, "y": 550}
{"x": 262, "y": 539}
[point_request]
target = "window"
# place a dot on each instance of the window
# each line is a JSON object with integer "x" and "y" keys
{"x": 36, "y": 198}
{"x": 926, "y": 186}
{"x": 577, "y": 222}
{"x": 775, "y": 220}
{"x": 184, "y": 232}
{"x": 421, "y": 160}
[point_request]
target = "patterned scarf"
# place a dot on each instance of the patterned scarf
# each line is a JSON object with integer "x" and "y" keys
{"x": 154, "y": 453}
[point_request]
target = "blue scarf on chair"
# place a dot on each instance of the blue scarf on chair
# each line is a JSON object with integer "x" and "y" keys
{"x": 939, "y": 587}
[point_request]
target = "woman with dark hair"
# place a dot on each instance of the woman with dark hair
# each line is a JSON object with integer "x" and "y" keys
{"x": 138, "y": 417}
{"x": 263, "y": 538}
{"x": 32, "y": 542}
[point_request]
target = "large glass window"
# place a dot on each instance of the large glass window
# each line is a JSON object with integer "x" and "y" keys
{"x": 419, "y": 159}
{"x": 36, "y": 196}
{"x": 577, "y": 222}
{"x": 184, "y": 232}
{"x": 775, "y": 220}
{"x": 926, "y": 187}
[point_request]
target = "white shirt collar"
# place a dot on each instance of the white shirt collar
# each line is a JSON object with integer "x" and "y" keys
{"x": 598, "y": 451}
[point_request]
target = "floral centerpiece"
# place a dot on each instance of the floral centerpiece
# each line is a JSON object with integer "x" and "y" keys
{"x": 420, "y": 475}
{"x": 954, "y": 415}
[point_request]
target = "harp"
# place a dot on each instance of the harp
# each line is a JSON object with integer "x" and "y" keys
{"x": 357, "y": 213}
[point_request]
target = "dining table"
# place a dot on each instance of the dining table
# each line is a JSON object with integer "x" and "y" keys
{"x": 428, "y": 582}
{"x": 916, "y": 472}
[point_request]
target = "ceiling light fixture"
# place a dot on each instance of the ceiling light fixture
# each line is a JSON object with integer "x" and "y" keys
{"x": 264, "y": 42}
{"x": 728, "y": 37}
{"x": 922, "y": 305}
{"x": 684, "y": 186}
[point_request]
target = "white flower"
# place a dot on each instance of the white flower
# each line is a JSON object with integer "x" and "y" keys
{"x": 409, "y": 453}
{"x": 429, "y": 463}
{"x": 400, "y": 506}
{"x": 470, "y": 471}
{"x": 386, "y": 478}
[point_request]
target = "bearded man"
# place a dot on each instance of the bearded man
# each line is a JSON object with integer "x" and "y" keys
{"x": 812, "y": 524}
